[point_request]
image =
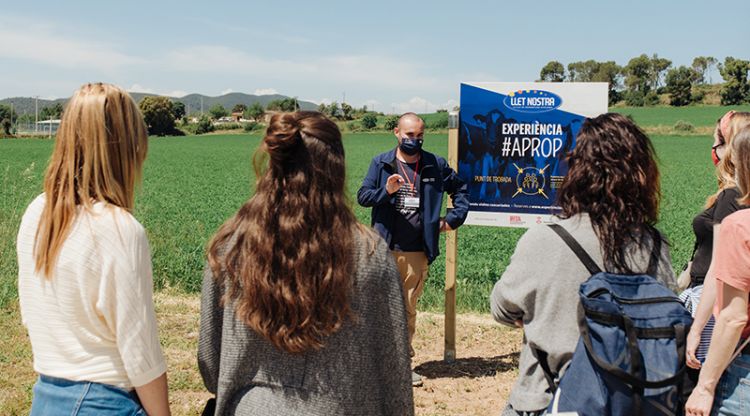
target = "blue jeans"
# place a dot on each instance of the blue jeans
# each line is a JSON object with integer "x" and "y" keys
{"x": 56, "y": 396}
{"x": 732, "y": 395}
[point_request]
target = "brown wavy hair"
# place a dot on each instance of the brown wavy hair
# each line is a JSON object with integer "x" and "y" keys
{"x": 614, "y": 178}
{"x": 99, "y": 152}
{"x": 286, "y": 258}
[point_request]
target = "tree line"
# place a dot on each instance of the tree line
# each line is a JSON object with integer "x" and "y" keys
{"x": 644, "y": 77}
{"x": 636, "y": 84}
{"x": 161, "y": 114}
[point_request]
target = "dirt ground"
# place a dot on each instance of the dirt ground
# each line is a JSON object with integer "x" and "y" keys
{"x": 477, "y": 383}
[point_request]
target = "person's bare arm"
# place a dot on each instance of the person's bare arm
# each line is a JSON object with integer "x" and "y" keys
{"x": 729, "y": 325}
{"x": 154, "y": 396}
{"x": 705, "y": 308}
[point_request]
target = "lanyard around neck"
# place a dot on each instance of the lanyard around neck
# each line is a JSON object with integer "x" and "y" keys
{"x": 403, "y": 168}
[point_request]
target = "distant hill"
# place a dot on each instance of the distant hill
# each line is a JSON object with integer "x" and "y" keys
{"x": 25, "y": 105}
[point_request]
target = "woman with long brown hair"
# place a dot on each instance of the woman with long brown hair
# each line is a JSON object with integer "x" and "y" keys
{"x": 610, "y": 203}
{"x": 302, "y": 311}
{"x": 84, "y": 267}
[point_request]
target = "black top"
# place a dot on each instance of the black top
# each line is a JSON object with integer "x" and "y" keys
{"x": 703, "y": 227}
{"x": 407, "y": 231}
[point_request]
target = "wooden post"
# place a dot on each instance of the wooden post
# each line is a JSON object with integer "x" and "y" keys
{"x": 451, "y": 252}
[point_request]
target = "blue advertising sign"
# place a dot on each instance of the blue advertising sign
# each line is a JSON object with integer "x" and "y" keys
{"x": 513, "y": 138}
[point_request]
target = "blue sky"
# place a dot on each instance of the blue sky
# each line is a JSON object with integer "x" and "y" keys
{"x": 393, "y": 55}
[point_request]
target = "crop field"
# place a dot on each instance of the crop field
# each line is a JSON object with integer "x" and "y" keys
{"x": 698, "y": 116}
{"x": 192, "y": 184}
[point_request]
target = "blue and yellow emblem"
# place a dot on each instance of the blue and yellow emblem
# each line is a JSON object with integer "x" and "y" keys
{"x": 530, "y": 181}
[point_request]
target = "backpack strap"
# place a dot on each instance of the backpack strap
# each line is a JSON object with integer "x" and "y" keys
{"x": 591, "y": 265}
{"x": 541, "y": 357}
{"x": 582, "y": 255}
{"x": 653, "y": 263}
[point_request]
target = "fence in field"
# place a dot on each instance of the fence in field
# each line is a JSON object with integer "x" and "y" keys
{"x": 42, "y": 128}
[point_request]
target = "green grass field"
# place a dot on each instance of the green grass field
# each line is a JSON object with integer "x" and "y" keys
{"x": 667, "y": 116}
{"x": 192, "y": 184}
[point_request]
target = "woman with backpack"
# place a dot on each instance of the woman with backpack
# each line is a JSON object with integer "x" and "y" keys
{"x": 302, "y": 311}
{"x": 610, "y": 203}
{"x": 723, "y": 382}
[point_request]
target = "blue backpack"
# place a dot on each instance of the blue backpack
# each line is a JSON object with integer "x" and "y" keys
{"x": 630, "y": 358}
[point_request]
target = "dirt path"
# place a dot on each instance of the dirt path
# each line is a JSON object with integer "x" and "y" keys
{"x": 477, "y": 383}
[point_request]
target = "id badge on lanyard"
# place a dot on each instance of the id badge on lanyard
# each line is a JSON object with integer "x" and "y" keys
{"x": 411, "y": 202}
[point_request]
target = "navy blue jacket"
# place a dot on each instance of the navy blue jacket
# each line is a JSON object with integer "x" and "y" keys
{"x": 436, "y": 177}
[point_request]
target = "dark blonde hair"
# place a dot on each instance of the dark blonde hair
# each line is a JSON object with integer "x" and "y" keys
{"x": 726, "y": 167}
{"x": 741, "y": 150}
{"x": 614, "y": 178}
{"x": 286, "y": 258}
{"x": 99, "y": 152}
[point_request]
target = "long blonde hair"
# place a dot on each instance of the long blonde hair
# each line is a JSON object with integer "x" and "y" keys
{"x": 741, "y": 147}
{"x": 99, "y": 152}
{"x": 726, "y": 167}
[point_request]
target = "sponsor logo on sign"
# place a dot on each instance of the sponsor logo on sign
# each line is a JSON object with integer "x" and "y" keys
{"x": 532, "y": 101}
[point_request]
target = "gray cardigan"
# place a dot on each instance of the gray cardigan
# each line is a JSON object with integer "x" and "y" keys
{"x": 540, "y": 287}
{"x": 364, "y": 368}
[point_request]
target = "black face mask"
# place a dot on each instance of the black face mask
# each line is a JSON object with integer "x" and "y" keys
{"x": 410, "y": 146}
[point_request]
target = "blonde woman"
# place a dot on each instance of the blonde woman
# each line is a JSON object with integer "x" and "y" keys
{"x": 707, "y": 226}
{"x": 84, "y": 268}
{"x": 722, "y": 385}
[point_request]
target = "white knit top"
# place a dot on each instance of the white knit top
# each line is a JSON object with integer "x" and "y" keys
{"x": 94, "y": 319}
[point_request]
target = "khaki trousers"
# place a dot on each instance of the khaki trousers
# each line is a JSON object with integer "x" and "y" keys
{"x": 413, "y": 268}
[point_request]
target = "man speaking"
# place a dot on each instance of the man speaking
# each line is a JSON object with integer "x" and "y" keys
{"x": 404, "y": 187}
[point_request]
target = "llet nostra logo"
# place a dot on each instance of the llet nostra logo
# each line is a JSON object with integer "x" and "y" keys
{"x": 532, "y": 101}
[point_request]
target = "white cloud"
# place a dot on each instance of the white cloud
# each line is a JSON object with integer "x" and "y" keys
{"x": 318, "y": 101}
{"x": 51, "y": 45}
{"x": 178, "y": 93}
{"x": 141, "y": 88}
{"x": 249, "y": 31}
{"x": 342, "y": 71}
{"x": 222, "y": 59}
{"x": 265, "y": 91}
{"x": 374, "y": 105}
{"x": 415, "y": 104}
{"x": 44, "y": 44}
{"x": 373, "y": 71}
{"x": 448, "y": 105}
{"x": 478, "y": 76}
{"x": 227, "y": 91}
{"x": 419, "y": 105}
